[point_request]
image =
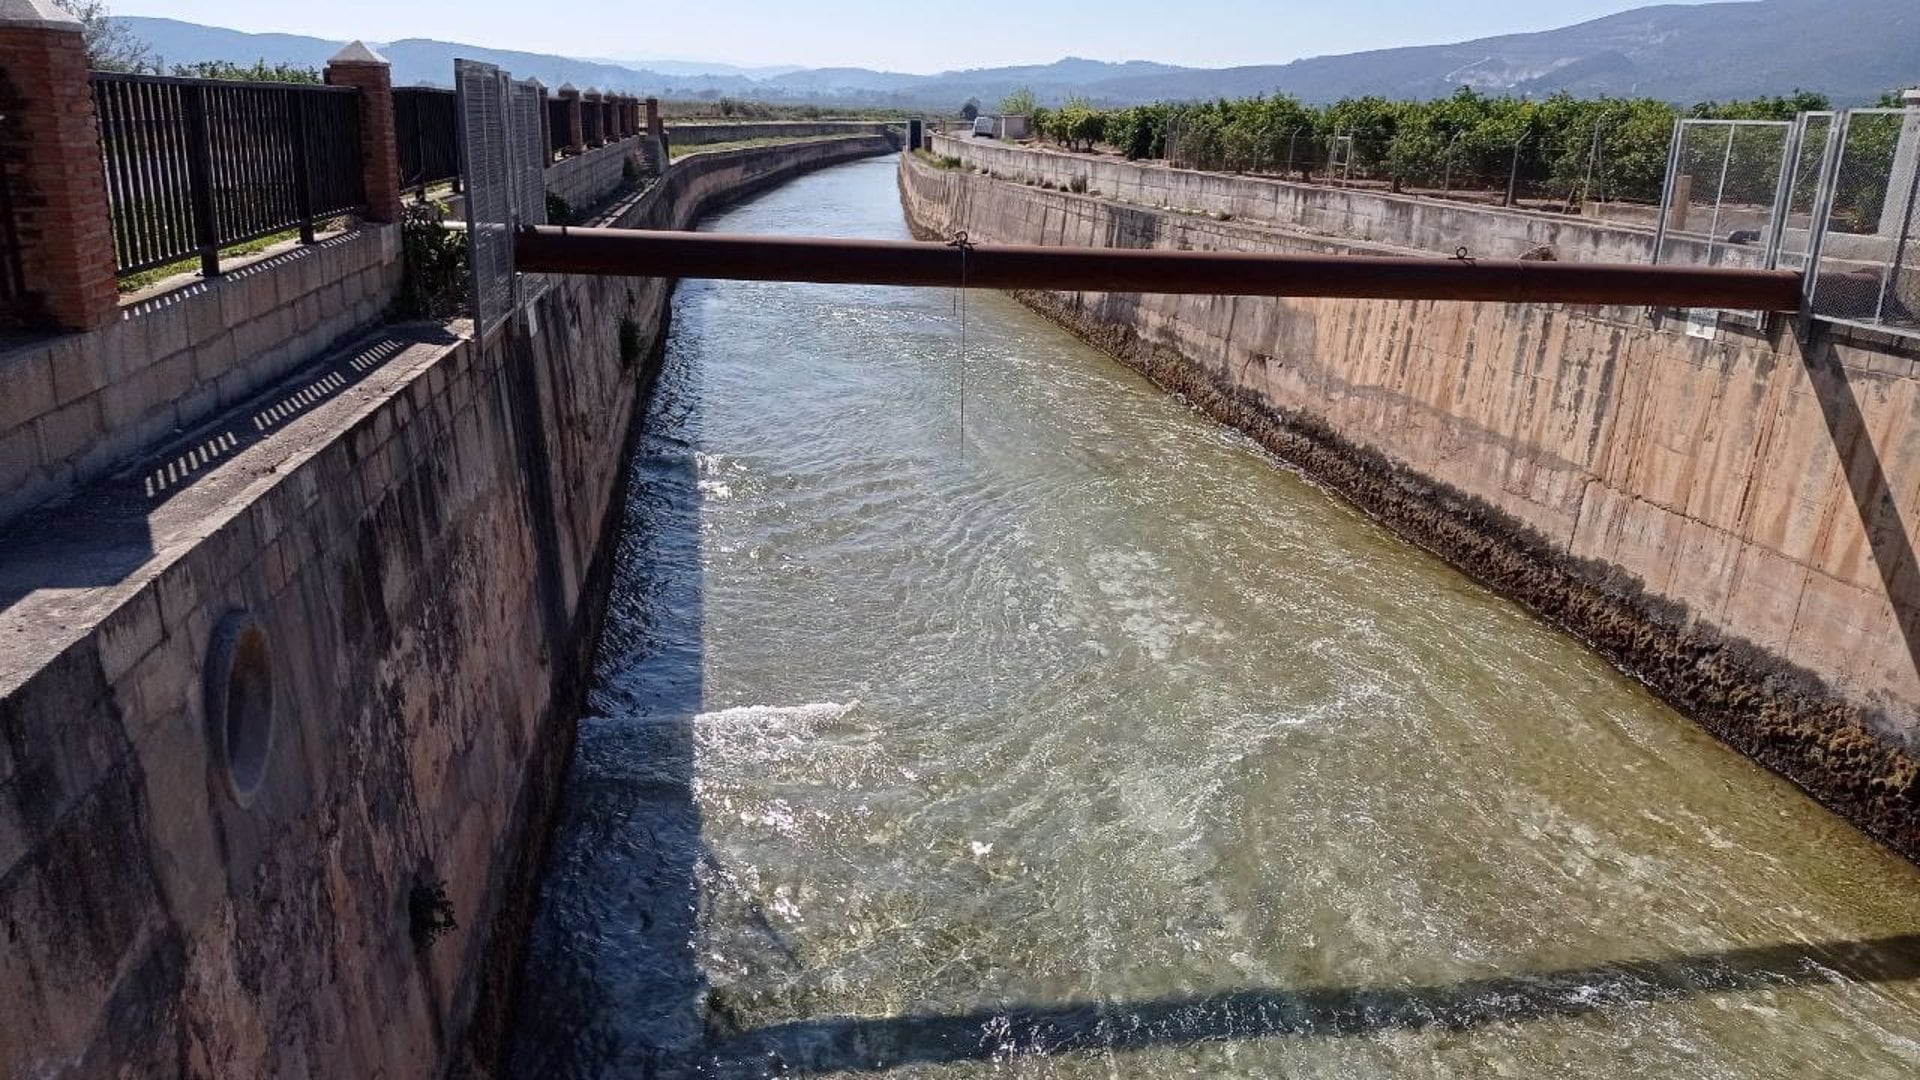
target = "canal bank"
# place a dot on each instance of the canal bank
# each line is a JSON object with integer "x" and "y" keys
{"x": 286, "y": 697}
{"x": 1726, "y": 518}
{"x": 985, "y": 711}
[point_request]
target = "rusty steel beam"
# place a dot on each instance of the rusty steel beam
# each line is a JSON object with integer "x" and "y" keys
{"x": 645, "y": 253}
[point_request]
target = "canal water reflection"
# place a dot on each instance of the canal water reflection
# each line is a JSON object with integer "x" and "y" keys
{"x": 1089, "y": 741}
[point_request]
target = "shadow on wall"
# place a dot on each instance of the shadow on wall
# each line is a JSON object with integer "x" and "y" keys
{"x": 611, "y": 983}
{"x": 1888, "y": 542}
{"x": 109, "y": 529}
{"x": 861, "y": 1044}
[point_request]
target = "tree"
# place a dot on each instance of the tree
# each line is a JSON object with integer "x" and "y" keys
{"x": 261, "y": 71}
{"x": 971, "y": 110}
{"x": 1018, "y": 103}
{"x": 110, "y": 45}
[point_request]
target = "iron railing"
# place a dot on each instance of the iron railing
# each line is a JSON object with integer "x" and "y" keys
{"x": 426, "y": 129}
{"x": 195, "y": 165}
{"x": 590, "y": 116}
{"x": 13, "y": 285}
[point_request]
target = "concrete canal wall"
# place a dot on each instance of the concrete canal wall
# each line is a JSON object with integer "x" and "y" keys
{"x": 1730, "y": 519}
{"x": 285, "y": 701}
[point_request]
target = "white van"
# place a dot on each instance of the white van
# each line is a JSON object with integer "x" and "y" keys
{"x": 983, "y": 127}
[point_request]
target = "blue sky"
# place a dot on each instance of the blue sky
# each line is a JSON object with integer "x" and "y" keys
{"x": 892, "y": 35}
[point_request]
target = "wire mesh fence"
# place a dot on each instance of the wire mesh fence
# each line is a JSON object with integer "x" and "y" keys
{"x": 1866, "y": 259}
{"x": 505, "y": 165}
{"x": 1565, "y": 174}
{"x": 1726, "y": 187}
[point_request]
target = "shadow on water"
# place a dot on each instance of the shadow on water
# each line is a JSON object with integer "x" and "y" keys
{"x": 866, "y": 1043}
{"x": 612, "y": 985}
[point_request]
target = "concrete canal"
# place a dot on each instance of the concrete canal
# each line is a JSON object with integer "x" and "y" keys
{"x": 1006, "y": 717}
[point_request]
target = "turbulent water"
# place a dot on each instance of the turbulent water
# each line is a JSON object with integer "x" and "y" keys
{"x": 1004, "y": 717}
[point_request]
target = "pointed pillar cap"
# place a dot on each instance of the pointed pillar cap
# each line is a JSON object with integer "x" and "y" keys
{"x": 356, "y": 52}
{"x": 36, "y": 14}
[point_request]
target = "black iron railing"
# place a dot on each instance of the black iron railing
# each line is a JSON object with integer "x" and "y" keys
{"x": 590, "y": 114}
{"x": 12, "y": 279}
{"x": 426, "y": 125}
{"x": 195, "y": 165}
{"x": 559, "y": 119}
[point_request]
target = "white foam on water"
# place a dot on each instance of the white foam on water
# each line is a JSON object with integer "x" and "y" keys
{"x": 776, "y": 716}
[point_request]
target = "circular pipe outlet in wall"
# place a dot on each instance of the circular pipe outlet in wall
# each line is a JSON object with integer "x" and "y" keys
{"x": 240, "y": 703}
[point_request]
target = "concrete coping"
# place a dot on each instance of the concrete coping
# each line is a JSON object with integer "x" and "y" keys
{"x": 37, "y": 15}
{"x": 567, "y": 89}
{"x": 357, "y": 52}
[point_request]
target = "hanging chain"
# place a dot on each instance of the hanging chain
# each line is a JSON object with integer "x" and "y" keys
{"x": 964, "y": 246}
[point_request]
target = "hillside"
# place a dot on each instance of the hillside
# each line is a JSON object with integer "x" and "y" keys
{"x": 1852, "y": 50}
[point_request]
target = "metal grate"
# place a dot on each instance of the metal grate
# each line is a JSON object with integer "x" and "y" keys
{"x": 482, "y": 90}
{"x": 559, "y": 125}
{"x": 193, "y": 165}
{"x": 527, "y": 165}
{"x": 1866, "y": 258}
{"x": 1726, "y": 188}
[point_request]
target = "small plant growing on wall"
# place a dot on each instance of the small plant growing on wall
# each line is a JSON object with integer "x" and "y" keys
{"x": 434, "y": 264}
{"x": 429, "y": 912}
{"x": 629, "y": 341}
{"x": 559, "y": 210}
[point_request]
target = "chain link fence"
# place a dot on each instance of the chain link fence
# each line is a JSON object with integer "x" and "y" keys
{"x": 1866, "y": 259}
{"x": 1725, "y": 193}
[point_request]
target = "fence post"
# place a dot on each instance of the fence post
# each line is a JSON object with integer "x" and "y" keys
{"x": 576, "y": 135}
{"x": 302, "y": 173}
{"x": 654, "y": 127}
{"x": 367, "y": 71}
{"x": 50, "y": 153}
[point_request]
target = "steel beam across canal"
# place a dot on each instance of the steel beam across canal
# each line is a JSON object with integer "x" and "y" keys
{"x": 644, "y": 253}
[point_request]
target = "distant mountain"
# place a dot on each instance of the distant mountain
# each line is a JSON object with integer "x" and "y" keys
{"x": 1851, "y": 50}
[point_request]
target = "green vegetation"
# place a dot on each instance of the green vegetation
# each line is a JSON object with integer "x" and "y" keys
{"x": 940, "y": 161}
{"x": 433, "y": 280}
{"x": 676, "y": 151}
{"x": 258, "y": 71}
{"x": 1560, "y": 146}
{"x": 129, "y": 283}
{"x": 722, "y": 108}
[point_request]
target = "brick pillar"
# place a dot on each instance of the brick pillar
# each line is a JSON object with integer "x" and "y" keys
{"x": 576, "y": 140}
{"x": 50, "y": 151}
{"x": 362, "y": 68}
{"x": 654, "y": 127}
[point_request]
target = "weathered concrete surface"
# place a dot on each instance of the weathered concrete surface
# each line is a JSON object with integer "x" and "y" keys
{"x": 1402, "y": 221}
{"x": 73, "y": 406}
{"x": 422, "y": 527}
{"x": 1730, "y": 519}
{"x": 689, "y": 133}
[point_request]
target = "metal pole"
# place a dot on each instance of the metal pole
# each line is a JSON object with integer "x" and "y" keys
{"x": 193, "y": 100}
{"x": 1513, "y": 173}
{"x": 644, "y": 253}
{"x": 1668, "y": 189}
{"x": 1720, "y": 197}
{"x": 1823, "y": 207}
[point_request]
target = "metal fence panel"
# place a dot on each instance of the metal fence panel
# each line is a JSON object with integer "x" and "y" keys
{"x": 483, "y": 143}
{"x": 1725, "y": 192}
{"x": 1866, "y": 257}
{"x": 193, "y": 165}
{"x": 1814, "y": 145}
{"x": 426, "y": 126}
{"x": 527, "y": 163}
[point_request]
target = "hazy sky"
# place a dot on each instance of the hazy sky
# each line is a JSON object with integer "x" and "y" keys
{"x": 892, "y": 35}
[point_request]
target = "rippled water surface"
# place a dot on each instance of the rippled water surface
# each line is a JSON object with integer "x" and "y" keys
{"x": 1091, "y": 742}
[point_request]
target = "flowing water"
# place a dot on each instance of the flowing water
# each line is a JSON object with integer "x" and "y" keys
{"x": 1085, "y": 740}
